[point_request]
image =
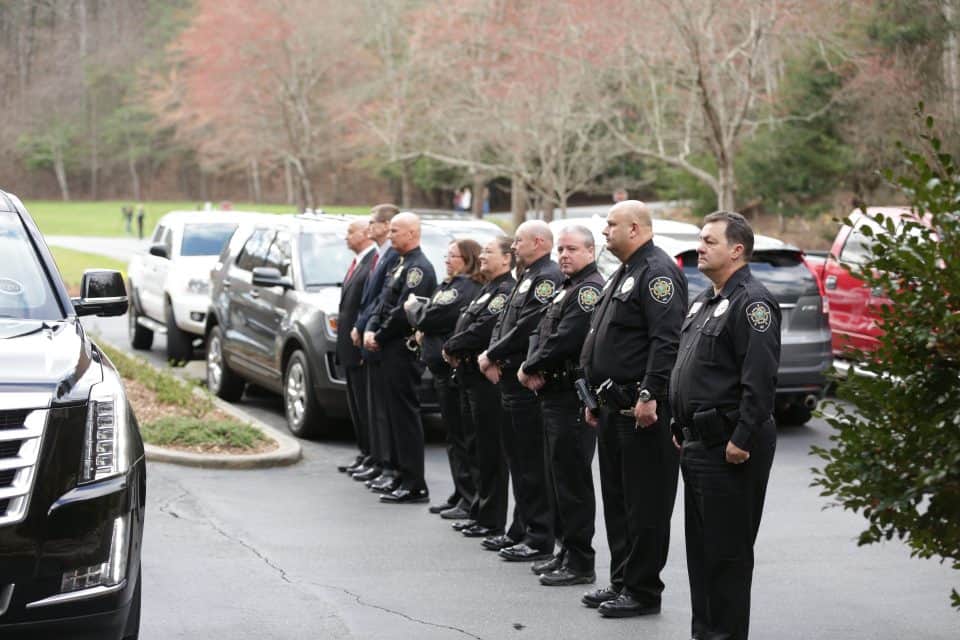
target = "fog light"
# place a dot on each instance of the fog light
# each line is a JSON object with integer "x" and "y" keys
{"x": 105, "y": 574}
{"x": 197, "y": 316}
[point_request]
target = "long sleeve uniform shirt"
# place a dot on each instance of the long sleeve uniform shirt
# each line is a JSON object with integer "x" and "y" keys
{"x": 475, "y": 324}
{"x": 438, "y": 318}
{"x": 413, "y": 274}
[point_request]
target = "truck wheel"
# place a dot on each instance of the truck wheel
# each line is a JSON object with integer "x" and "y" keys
{"x": 140, "y": 337}
{"x": 299, "y": 404}
{"x": 179, "y": 343}
{"x": 132, "y": 630}
{"x": 222, "y": 381}
{"x": 793, "y": 415}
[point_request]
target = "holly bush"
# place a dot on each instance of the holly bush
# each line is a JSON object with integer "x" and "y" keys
{"x": 895, "y": 452}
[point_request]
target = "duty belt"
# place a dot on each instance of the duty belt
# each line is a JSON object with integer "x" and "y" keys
{"x": 559, "y": 380}
{"x": 618, "y": 397}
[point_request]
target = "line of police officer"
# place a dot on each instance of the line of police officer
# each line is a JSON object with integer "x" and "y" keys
{"x": 546, "y": 366}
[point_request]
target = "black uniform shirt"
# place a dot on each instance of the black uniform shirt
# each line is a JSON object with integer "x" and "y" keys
{"x": 525, "y": 306}
{"x": 413, "y": 274}
{"x": 438, "y": 318}
{"x": 564, "y": 327}
{"x": 475, "y": 324}
{"x": 729, "y": 355}
{"x": 636, "y": 327}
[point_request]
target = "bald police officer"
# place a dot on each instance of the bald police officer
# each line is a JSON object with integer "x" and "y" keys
{"x": 550, "y": 370}
{"x": 388, "y": 332}
{"x": 627, "y": 358}
{"x": 722, "y": 390}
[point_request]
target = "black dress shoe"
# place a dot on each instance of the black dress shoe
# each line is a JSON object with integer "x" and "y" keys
{"x": 353, "y": 464}
{"x": 547, "y": 566}
{"x": 406, "y": 496}
{"x": 597, "y": 597}
{"x": 496, "y": 543}
{"x": 455, "y": 513}
{"x": 626, "y": 606}
{"x": 384, "y": 484}
{"x": 523, "y": 553}
{"x": 463, "y": 524}
{"x": 440, "y": 508}
{"x": 564, "y": 577}
{"x": 478, "y": 531}
{"x": 366, "y": 473}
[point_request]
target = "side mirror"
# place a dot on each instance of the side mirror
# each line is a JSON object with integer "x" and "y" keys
{"x": 159, "y": 249}
{"x": 102, "y": 293}
{"x": 270, "y": 277}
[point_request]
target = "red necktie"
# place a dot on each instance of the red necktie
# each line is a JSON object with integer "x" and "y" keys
{"x": 376, "y": 258}
{"x": 353, "y": 265}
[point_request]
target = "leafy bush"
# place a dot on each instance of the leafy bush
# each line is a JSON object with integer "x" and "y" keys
{"x": 895, "y": 456}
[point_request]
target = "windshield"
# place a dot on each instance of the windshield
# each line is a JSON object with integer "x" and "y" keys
{"x": 324, "y": 258}
{"x": 25, "y": 291}
{"x": 205, "y": 239}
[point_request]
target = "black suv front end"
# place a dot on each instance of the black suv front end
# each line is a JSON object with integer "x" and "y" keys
{"x": 72, "y": 469}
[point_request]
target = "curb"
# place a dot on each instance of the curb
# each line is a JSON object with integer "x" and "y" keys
{"x": 288, "y": 449}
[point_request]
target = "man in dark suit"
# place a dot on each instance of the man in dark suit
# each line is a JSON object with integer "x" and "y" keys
{"x": 349, "y": 354}
{"x": 382, "y": 457}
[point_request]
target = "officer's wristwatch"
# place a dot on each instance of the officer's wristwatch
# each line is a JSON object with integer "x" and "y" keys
{"x": 644, "y": 395}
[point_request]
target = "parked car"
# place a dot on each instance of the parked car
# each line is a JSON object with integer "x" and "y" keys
{"x": 805, "y": 333}
{"x": 272, "y": 319}
{"x": 169, "y": 282}
{"x": 72, "y": 472}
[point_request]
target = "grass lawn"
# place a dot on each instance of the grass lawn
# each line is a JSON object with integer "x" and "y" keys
{"x": 73, "y": 263}
{"x": 103, "y": 218}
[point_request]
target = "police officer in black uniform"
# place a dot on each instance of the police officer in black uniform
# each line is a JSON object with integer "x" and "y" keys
{"x": 551, "y": 367}
{"x": 722, "y": 390}
{"x": 480, "y": 397}
{"x": 523, "y": 426}
{"x": 435, "y": 322}
{"x": 627, "y": 359}
{"x": 389, "y": 331}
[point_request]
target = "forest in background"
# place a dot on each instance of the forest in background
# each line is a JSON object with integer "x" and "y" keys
{"x": 785, "y": 108}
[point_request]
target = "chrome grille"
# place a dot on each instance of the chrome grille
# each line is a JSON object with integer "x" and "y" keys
{"x": 20, "y": 438}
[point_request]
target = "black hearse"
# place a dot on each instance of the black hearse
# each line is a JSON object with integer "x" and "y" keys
{"x": 72, "y": 472}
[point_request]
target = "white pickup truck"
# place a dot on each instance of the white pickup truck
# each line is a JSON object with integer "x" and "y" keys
{"x": 169, "y": 283}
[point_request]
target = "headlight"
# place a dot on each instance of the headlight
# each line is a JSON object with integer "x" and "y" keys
{"x": 196, "y": 285}
{"x": 330, "y": 324}
{"x": 105, "y": 445}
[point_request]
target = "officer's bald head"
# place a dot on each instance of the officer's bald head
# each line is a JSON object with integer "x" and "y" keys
{"x": 533, "y": 240}
{"x": 629, "y": 227}
{"x": 357, "y": 238}
{"x": 405, "y": 232}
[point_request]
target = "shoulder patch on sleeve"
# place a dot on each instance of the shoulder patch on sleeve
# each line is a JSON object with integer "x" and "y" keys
{"x": 414, "y": 276}
{"x": 545, "y": 290}
{"x": 759, "y": 316}
{"x": 496, "y": 305}
{"x": 588, "y": 298}
{"x": 662, "y": 289}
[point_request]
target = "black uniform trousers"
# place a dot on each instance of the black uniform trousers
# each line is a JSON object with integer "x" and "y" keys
{"x": 402, "y": 370}
{"x": 458, "y": 425}
{"x": 357, "y": 406}
{"x": 379, "y": 427}
{"x": 526, "y": 457}
{"x": 481, "y": 400}
{"x": 723, "y": 503}
{"x": 638, "y": 482}
{"x": 570, "y": 444}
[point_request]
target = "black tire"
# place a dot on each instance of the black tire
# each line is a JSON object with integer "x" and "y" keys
{"x": 179, "y": 343}
{"x": 132, "y": 630}
{"x": 299, "y": 404}
{"x": 141, "y": 338}
{"x": 794, "y": 415}
{"x": 222, "y": 381}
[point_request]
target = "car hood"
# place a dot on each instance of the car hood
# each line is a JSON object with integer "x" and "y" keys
{"x": 324, "y": 298}
{"x": 42, "y": 353}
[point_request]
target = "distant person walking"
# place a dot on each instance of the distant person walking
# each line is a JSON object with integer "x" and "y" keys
{"x": 127, "y": 212}
{"x": 466, "y": 199}
{"x": 141, "y": 214}
{"x": 620, "y": 195}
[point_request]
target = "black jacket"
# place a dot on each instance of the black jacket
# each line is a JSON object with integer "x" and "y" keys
{"x": 475, "y": 324}
{"x": 438, "y": 318}
{"x": 350, "y": 295}
{"x": 413, "y": 274}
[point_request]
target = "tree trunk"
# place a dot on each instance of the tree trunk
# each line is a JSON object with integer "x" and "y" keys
{"x": 518, "y": 201}
{"x": 951, "y": 64}
{"x": 134, "y": 174}
{"x": 546, "y": 210}
{"x": 288, "y": 181}
{"x": 727, "y": 194}
{"x": 476, "y": 205}
{"x": 255, "y": 180}
{"x": 406, "y": 185}
{"x": 61, "y": 172}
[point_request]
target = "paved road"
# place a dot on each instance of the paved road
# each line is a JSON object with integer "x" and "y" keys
{"x": 304, "y": 552}
{"x": 120, "y": 248}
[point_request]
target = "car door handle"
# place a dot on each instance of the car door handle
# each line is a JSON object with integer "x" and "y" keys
{"x": 830, "y": 282}
{"x": 226, "y": 284}
{"x": 254, "y": 293}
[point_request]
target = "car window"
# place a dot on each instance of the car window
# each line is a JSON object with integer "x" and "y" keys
{"x": 254, "y": 251}
{"x": 783, "y": 273}
{"x": 205, "y": 239}
{"x": 324, "y": 258}
{"x": 157, "y": 233}
{"x": 278, "y": 256}
{"x": 25, "y": 289}
{"x": 168, "y": 242}
{"x": 434, "y": 243}
{"x": 857, "y": 249}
